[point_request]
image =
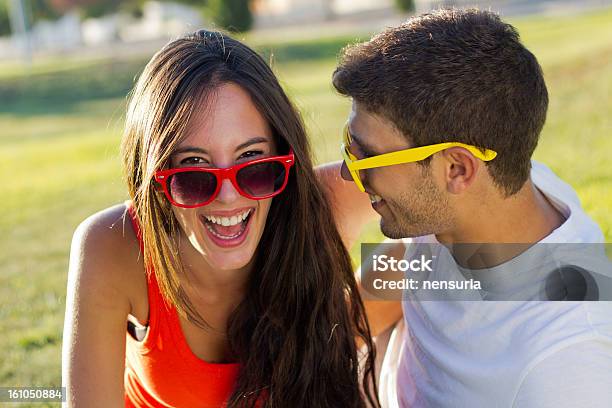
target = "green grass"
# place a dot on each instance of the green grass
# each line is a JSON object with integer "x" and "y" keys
{"x": 60, "y": 128}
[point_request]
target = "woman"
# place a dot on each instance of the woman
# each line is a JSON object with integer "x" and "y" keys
{"x": 249, "y": 299}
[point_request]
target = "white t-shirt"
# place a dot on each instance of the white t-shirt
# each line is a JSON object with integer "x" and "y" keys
{"x": 506, "y": 354}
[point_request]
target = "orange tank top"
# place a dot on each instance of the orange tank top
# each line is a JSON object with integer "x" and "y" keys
{"x": 161, "y": 370}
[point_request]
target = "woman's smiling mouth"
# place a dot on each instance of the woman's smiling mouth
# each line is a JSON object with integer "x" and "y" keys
{"x": 228, "y": 229}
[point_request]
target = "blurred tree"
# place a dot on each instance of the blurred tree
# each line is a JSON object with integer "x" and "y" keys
{"x": 194, "y": 3}
{"x": 201, "y": 5}
{"x": 5, "y": 25}
{"x": 233, "y": 15}
{"x": 405, "y": 5}
{"x": 37, "y": 10}
{"x": 134, "y": 8}
{"x": 41, "y": 10}
{"x": 99, "y": 8}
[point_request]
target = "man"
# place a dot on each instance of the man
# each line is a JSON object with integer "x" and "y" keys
{"x": 463, "y": 77}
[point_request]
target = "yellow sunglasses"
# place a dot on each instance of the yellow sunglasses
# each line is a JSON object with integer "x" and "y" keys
{"x": 401, "y": 156}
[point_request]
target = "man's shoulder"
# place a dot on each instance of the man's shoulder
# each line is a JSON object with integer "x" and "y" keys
{"x": 552, "y": 185}
{"x": 579, "y": 226}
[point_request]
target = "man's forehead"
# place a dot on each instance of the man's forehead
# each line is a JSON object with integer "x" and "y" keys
{"x": 373, "y": 129}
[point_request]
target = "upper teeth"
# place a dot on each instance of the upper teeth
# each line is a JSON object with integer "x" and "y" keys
{"x": 227, "y": 221}
{"x": 375, "y": 198}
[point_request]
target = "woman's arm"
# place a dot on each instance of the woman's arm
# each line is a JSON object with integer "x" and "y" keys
{"x": 350, "y": 207}
{"x": 97, "y": 305}
{"x": 382, "y": 308}
{"x": 352, "y": 210}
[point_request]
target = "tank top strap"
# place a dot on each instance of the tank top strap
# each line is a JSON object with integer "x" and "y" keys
{"x": 157, "y": 304}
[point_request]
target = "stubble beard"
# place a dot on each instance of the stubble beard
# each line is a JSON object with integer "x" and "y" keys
{"x": 423, "y": 211}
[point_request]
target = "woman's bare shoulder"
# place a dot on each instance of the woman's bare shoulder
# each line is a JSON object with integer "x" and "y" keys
{"x": 110, "y": 230}
{"x": 106, "y": 242}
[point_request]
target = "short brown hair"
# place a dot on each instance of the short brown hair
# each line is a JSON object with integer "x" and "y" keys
{"x": 454, "y": 75}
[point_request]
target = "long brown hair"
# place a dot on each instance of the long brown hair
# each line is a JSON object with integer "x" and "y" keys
{"x": 294, "y": 332}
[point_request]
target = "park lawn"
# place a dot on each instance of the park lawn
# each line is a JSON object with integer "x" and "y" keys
{"x": 60, "y": 129}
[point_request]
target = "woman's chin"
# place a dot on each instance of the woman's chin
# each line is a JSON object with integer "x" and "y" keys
{"x": 229, "y": 263}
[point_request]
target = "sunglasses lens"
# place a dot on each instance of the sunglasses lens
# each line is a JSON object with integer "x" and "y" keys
{"x": 192, "y": 187}
{"x": 261, "y": 179}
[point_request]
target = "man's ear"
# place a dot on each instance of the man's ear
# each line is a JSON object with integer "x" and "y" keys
{"x": 461, "y": 168}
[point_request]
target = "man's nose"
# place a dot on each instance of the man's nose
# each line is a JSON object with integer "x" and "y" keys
{"x": 227, "y": 193}
{"x": 345, "y": 173}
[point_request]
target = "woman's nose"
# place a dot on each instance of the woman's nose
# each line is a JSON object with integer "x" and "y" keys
{"x": 227, "y": 193}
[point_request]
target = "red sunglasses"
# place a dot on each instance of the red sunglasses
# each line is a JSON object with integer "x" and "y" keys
{"x": 191, "y": 187}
